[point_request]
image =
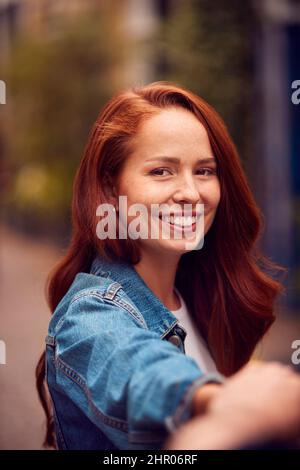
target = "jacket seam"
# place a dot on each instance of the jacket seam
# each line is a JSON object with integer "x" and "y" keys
{"x": 172, "y": 422}
{"x": 119, "y": 303}
{"x": 75, "y": 377}
{"x": 58, "y": 431}
{"x": 61, "y": 439}
{"x": 169, "y": 329}
{"x": 133, "y": 436}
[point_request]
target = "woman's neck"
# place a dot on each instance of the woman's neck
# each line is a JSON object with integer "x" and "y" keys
{"x": 159, "y": 275}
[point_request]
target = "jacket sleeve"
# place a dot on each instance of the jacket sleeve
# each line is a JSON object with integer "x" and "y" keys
{"x": 123, "y": 376}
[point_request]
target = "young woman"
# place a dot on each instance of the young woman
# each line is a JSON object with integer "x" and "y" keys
{"x": 144, "y": 328}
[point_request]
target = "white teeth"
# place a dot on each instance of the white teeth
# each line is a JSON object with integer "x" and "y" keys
{"x": 182, "y": 221}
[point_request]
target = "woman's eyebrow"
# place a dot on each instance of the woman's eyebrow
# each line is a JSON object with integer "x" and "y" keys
{"x": 177, "y": 160}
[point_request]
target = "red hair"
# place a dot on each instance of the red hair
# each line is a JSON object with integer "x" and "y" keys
{"x": 226, "y": 284}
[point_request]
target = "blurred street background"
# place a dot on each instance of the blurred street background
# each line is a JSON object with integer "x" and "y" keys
{"x": 61, "y": 61}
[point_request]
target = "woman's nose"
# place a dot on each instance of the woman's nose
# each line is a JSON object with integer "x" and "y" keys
{"x": 187, "y": 192}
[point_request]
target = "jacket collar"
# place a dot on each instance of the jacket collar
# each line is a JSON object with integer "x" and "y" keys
{"x": 156, "y": 315}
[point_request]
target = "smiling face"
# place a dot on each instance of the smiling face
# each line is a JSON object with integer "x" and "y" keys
{"x": 172, "y": 163}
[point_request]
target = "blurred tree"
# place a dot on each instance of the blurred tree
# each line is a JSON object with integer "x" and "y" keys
{"x": 57, "y": 86}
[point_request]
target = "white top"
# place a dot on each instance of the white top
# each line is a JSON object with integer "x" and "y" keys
{"x": 195, "y": 345}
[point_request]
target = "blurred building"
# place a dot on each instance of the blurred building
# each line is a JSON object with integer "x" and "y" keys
{"x": 9, "y": 14}
{"x": 277, "y": 170}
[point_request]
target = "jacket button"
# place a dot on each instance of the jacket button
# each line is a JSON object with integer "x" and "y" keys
{"x": 174, "y": 339}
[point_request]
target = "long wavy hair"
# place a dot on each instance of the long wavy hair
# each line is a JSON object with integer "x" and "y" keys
{"x": 228, "y": 285}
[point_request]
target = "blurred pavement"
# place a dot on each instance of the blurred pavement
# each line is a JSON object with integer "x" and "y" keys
{"x": 24, "y": 265}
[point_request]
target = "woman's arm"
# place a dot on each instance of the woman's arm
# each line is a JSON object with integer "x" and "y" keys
{"x": 132, "y": 384}
{"x": 203, "y": 396}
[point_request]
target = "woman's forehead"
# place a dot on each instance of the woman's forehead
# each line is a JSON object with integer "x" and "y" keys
{"x": 169, "y": 135}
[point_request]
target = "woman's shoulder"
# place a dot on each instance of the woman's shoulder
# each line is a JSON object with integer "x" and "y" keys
{"x": 90, "y": 296}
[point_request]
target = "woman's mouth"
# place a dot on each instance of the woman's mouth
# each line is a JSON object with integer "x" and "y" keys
{"x": 180, "y": 223}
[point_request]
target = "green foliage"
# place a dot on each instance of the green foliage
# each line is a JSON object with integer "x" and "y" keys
{"x": 57, "y": 86}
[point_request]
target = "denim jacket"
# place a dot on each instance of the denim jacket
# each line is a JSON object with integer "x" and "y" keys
{"x": 116, "y": 368}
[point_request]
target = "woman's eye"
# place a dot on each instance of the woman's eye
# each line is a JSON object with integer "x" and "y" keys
{"x": 159, "y": 171}
{"x": 207, "y": 171}
{"x": 201, "y": 171}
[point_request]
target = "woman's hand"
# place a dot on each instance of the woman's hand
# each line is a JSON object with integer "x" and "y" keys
{"x": 263, "y": 396}
{"x": 259, "y": 403}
